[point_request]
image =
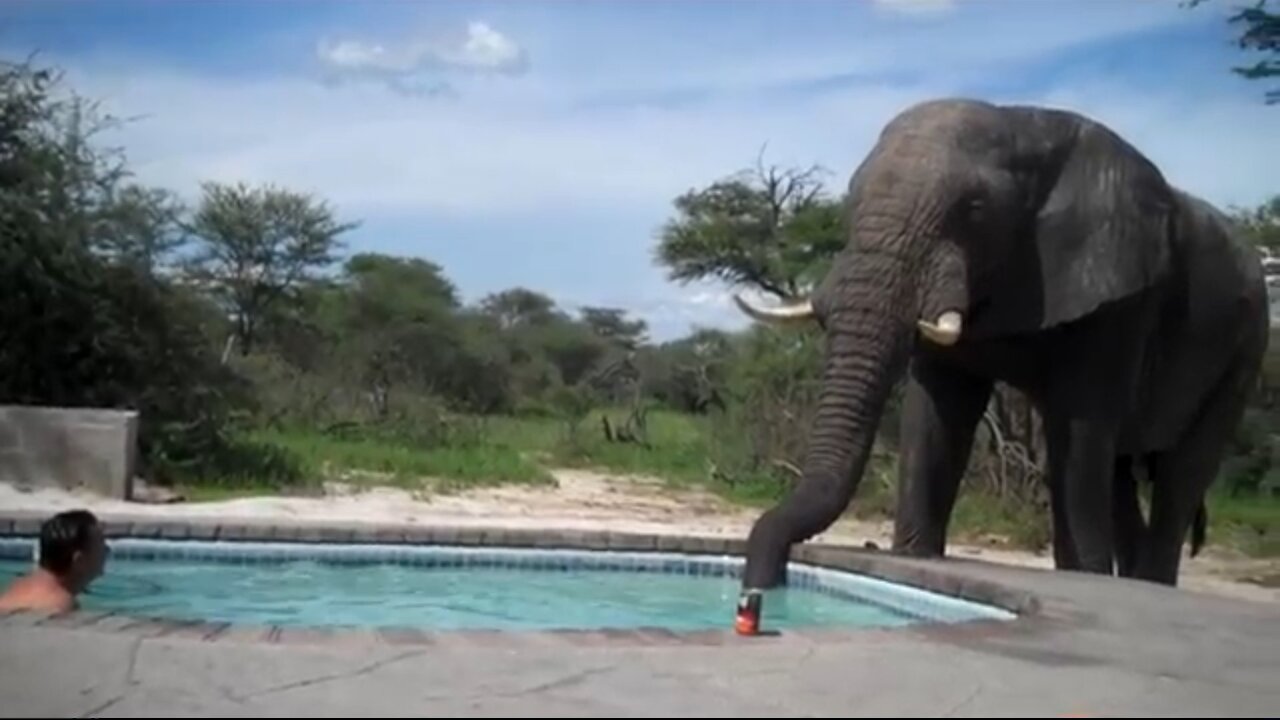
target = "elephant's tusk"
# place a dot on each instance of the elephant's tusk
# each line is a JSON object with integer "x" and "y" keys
{"x": 946, "y": 331}
{"x": 802, "y": 310}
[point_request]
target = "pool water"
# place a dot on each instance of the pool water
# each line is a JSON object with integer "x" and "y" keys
{"x": 312, "y": 593}
{"x": 447, "y": 590}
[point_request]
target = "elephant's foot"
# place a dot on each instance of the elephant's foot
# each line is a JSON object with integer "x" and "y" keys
{"x": 917, "y": 545}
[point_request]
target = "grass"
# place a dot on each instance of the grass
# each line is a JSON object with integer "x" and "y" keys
{"x": 215, "y": 492}
{"x": 1250, "y": 524}
{"x": 373, "y": 461}
{"x": 467, "y": 464}
{"x": 978, "y": 518}
{"x": 677, "y": 444}
{"x": 509, "y": 450}
{"x": 982, "y": 519}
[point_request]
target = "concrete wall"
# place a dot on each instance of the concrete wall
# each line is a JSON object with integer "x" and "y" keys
{"x": 72, "y": 448}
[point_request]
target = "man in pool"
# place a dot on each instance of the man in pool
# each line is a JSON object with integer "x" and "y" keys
{"x": 73, "y": 553}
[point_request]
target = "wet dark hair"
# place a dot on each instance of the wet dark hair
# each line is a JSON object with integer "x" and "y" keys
{"x": 62, "y": 535}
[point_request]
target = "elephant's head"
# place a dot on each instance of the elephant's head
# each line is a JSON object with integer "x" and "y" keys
{"x": 967, "y": 221}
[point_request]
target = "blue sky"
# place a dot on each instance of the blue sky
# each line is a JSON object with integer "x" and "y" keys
{"x": 541, "y": 143}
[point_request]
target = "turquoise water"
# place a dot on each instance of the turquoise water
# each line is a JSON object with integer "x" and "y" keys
{"x": 307, "y": 592}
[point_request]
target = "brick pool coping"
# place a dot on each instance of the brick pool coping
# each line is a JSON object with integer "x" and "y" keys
{"x": 931, "y": 577}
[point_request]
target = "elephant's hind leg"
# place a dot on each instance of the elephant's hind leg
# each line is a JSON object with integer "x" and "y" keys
{"x": 1181, "y": 477}
{"x": 940, "y": 413}
{"x": 1130, "y": 527}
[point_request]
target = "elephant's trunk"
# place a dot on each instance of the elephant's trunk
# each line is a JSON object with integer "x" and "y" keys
{"x": 867, "y": 337}
{"x": 894, "y": 269}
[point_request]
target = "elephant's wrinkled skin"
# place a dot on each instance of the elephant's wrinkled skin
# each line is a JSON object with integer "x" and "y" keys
{"x": 1035, "y": 247}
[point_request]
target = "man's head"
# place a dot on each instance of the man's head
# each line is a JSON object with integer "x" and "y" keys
{"x": 72, "y": 547}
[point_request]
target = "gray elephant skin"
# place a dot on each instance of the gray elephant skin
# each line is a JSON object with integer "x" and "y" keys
{"x": 1036, "y": 247}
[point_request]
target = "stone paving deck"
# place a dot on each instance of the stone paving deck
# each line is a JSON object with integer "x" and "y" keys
{"x": 1085, "y": 645}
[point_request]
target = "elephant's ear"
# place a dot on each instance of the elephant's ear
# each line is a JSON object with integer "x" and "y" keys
{"x": 1102, "y": 230}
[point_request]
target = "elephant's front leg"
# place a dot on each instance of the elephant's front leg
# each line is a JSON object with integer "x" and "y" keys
{"x": 1081, "y": 471}
{"x": 940, "y": 412}
{"x": 1130, "y": 526}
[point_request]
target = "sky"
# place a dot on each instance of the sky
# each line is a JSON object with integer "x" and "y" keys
{"x": 541, "y": 144}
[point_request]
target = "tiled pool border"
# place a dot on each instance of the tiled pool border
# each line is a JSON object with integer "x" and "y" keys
{"x": 927, "y": 589}
{"x": 901, "y": 600}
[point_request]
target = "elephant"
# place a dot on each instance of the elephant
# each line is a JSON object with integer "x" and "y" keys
{"x": 1129, "y": 525}
{"x": 1035, "y": 247}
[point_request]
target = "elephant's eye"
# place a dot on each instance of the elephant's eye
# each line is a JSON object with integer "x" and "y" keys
{"x": 968, "y": 212}
{"x": 975, "y": 209}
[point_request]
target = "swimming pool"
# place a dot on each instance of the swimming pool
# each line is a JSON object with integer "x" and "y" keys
{"x": 470, "y": 588}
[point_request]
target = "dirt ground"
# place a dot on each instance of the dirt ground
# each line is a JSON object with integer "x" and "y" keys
{"x": 591, "y": 500}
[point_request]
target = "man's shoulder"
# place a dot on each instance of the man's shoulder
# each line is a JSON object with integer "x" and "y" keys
{"x": 16, "y": 590}
{"x": 28, "y": 593}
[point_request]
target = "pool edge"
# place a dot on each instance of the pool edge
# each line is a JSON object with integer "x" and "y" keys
{"x": 932, "y": 576}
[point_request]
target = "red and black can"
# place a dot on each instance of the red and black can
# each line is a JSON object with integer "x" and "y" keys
{"x": 747, "y": 621}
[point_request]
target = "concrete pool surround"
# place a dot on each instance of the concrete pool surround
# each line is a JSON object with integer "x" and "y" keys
{"x": 941, "y": 600}
{"x": 1080, "y": 646}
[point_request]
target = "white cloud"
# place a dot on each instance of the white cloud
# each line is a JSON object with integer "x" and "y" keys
{"x": 417, "y": 66}
{"x": 485, "y": 49}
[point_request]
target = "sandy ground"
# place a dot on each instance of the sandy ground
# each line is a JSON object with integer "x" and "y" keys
{"x": 590, "y": 500}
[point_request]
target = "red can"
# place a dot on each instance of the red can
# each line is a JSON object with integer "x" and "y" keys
{"x": 747, "y": 621}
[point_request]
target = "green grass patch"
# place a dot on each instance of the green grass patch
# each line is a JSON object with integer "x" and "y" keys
{"x": 236, "y": 467}
{"x": 201, "y": 492}
{"x": 1249, "y": 523}
{"x": 982, "y": 519}
{"x": 440, "y": 468}
{"x": 978, "y": 518}
{"x": 679, "y": 451}
{"x": 368, "y": 461}
{"x": 759, "y": 490}
{"x": 676, "y": 451}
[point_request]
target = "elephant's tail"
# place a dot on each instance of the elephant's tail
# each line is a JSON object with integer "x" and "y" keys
{"x": 1198, "y": 526}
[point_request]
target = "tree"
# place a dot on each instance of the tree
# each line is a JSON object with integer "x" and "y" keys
{"x": 397, "y": 323}
{"x": 85, "y": 322}
{"x": 546, "y": 348}
{"x": 612, "y": 326}
{"x": 1261, "y": 228}
{"x": 412, "y": 287}
{"x": 143, "y": 227}
{"x": 571, "y": 347}
{"x": 256, "y": 245}
{"x": 1261, "y": 224}
{"x": 519, "y": 307}
{"x": 774, "y": 229}
{"x": 687, "y": 374}
{"x": 1260, "y": 33}
{"x": 482, "y": 378}
{"x": 55, "y": 182}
